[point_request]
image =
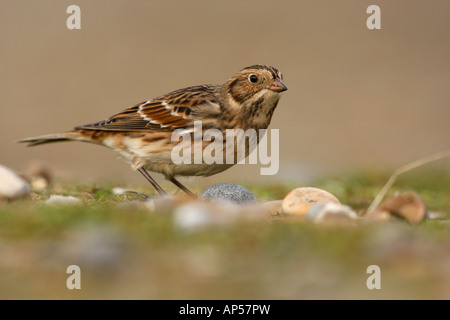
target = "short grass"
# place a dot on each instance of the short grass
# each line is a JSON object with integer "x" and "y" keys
{"x": 131, "y": 253}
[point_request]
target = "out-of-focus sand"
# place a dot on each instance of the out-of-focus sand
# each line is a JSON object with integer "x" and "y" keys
{"x": 357, "y": 98}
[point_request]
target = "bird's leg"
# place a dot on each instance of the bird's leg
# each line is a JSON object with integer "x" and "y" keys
{"x": 179, "y": 185}
{"x": 153, "y": 182}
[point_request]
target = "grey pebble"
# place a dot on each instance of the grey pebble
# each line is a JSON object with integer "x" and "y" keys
{"x": 228, "y": 192}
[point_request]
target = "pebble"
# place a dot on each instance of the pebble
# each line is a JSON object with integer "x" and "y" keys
{"x": 326, "y": 211}
{"x": 408, "y": 206}
{"x": 12, "y": 186}
{"x": 300, "y": 200}
{"x": 40, "y": 176}
{"x": 58, "y": 200}
{"x": 118, "y": 190}
{"x": 228, "y": 191}
{"x": 436, "y": 215}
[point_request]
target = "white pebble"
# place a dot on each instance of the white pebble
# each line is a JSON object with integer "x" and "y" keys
{"x": 118, "y": 190}
{"x": 324, "y": 210}
{"x": 57, "y": 200}
{"x": 12, "y": 186}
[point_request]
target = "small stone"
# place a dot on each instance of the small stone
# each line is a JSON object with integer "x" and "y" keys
{"x": 118, "y": 190}
{"x": 12, "y": 186}
{"x": 326, "y": 211}
{"x": 228, "y": 192}
{"x": 300, "y": 200}
{"x": 39, "y": 184}
{"x": 435, "y": 215}
{"x": 40, "y": 176}
{"x": 57, "y": 200}
{"x": 408, "y": 206}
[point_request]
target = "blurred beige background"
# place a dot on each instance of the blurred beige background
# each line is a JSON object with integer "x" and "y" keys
{"x": 357, "y": 98}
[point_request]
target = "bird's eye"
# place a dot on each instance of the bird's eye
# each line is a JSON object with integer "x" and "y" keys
{"x": 253, "y": 78}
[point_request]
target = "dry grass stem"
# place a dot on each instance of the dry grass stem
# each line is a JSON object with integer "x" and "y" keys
{"x": 403, "y": 169}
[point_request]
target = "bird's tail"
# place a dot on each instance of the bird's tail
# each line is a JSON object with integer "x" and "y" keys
{"x": 57, "y": 137}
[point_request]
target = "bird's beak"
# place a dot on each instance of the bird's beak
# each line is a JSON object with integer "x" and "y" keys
{"x": 278, "y": 86}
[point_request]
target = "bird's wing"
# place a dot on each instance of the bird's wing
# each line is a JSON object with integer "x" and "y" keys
{"x": 177, "y": 109}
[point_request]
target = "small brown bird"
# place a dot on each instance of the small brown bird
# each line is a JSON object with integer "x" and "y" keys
{"x": 142, "y": 134}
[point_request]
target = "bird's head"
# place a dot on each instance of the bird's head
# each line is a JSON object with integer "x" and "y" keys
{"x": 254, "y": 81}
{"x": 255, "y": 91}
